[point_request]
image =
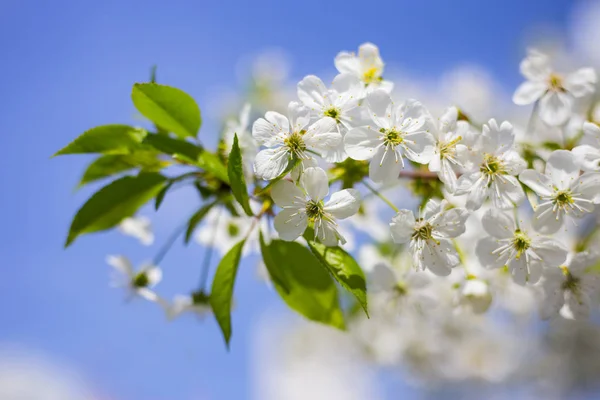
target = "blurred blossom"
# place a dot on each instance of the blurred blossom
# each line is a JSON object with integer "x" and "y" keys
{"x": 139, "y": 228}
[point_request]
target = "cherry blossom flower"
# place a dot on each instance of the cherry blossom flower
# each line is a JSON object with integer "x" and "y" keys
{"x": 399, "y": 131}
{"x": 291, "y": 138}
{"x": 430, "y": 235}
{"x": 366, "y": 66}
{"x": 509, "y": 245}
{"x": 304, "y": 204}
{"x": 554, "y": 92}
{"x": 138, "y": 227}
{"x": 563, "y": 191}
{"x": 137, "y": 283}
{"x": 495, "y": 166}
{"x": 570, "y": 290}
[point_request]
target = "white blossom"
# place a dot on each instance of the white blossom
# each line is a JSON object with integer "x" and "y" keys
{"x": 398, "y": 132}
{"x": 138, "y": 227}
{"x": 563, "y": 191}
{"x": 137, "y": 283}
{"x": 495, "y": 166}
{"x": 588, "y": 155}
{"x": 366, "y": 66}
{"x": 570, "y": 289}
{"x": 554, "y": 93}
{"x": 340, "y": 102}
{"x": 291, "y": 138}
{"x": 475, "y": 294}
{"x": 450, "y": 150}
{"x": 430, "y": 235}
{"x": 510, "y": 245}
{"x": 196, "y": 303}
{"x": 304, "y": 204}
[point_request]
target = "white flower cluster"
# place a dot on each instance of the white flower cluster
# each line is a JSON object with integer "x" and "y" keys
{"x": 356, "y": 118}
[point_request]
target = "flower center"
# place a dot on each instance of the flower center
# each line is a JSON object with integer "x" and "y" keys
{"x": 571, "y": 283}
{"x": 199, "y": 297}
{"x": 314, "y": 210}
{"x": 334, "y": 113}
{"x": 562, "y": 199}
{"x": 491, "y": 166}
{"x": 448, "y": 150}
{"x": 391, "y": 137}
{"x": 140, "y": 280}
{"x": 423, "y": 231}
{"x": 521, "y": 242}
{"x": 555, "y": 83}
{"x": 370, "y": 75}
{"x": 295, "y": 144}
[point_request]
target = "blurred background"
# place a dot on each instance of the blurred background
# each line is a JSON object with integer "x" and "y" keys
{"x": 69, "y": 65}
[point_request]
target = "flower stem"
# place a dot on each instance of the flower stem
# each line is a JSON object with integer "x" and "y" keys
{"x": 381, "y": 196}
{"x": 208, "y": 255}
{"x": 167, "y": 246}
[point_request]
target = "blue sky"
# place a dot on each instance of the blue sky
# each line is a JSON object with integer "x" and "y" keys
{"x": 69, "y": 65}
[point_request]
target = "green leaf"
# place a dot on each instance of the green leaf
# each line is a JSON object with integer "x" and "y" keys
{"x": 118, "y": 200}
{"x": 312, "y": 292}
{"x": 160, "y": 197}
{"x": 196, "y": 219}
{"x": 168, "y": 107}
{"x": 275, "y": 274}
{"x": 189, "y": 153}
{"x": 235, "y": 171}
{"x": 111, "y": 164}
{"x": 108, "y": 139}
{"x": 221, "y": 292}
{"x": 344, "y": 269}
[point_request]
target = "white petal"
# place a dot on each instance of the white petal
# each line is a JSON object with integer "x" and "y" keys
{"x": 546, "y": 222}
{"x": 343, "y": 204}
{"x": 328, "y": 235}
{"x": 588, "y": 157}
{"x": 419, "y": 147}
{"x": 270, "y": 163}
{"x": 285, "y": 194}
{"x": 447, "y": 122}
{"x": 550, "y": 251}
{"x": 562, "y": 168}
{"x": 592, "y": 129}
{"x": 314, "y": 181}
{"x": 290, "y": 223}
{"x": 485, "y": 253}
{"x": 581, "y": 261}
{"x": 514, "y": 163}
{"x": 368, "y": 53}
{"x": 555, "y": 108}
{"x": 299, "y": 116}
{"x": 269, "y": 133}
{"x": 433, "y": 207}
{"x": 382, "y": 278}
{"x": 385, "y": 166}
{"x": 536, "y": 66}
{"x": 554, "y": 299}
{"x": 578, "y": 304}
{"x": 478, "y": 191}
{"x": 121, "y": 264}
{"x": 498, "y": 224}
{"x": 361, "y": 143}
{"x": 348, "y": 85}
{"x": 539, "y": 183}
{"x": 348, "y": 62}
{"x": 451, "y": 223}
{"x": 153, "y": 273}
{"x": 581, "y": 82}
{"x": 311, "y": 91}
{"x": 497, "y": 139}
{"x": 518, "y": 270}
{"x": 440, "y": 258}
{"x": 336, "y": 154}
{"x": 588, "y": 186}
{"x": 323, "y": 134}
{"x": 529, "y": 92}
{"x": 381, "y": 109}
{"x": 506, "y": 192}
{"x": 402, "y": 226}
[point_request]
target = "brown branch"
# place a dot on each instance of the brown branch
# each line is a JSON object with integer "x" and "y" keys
{"x": 418, "y": 175}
